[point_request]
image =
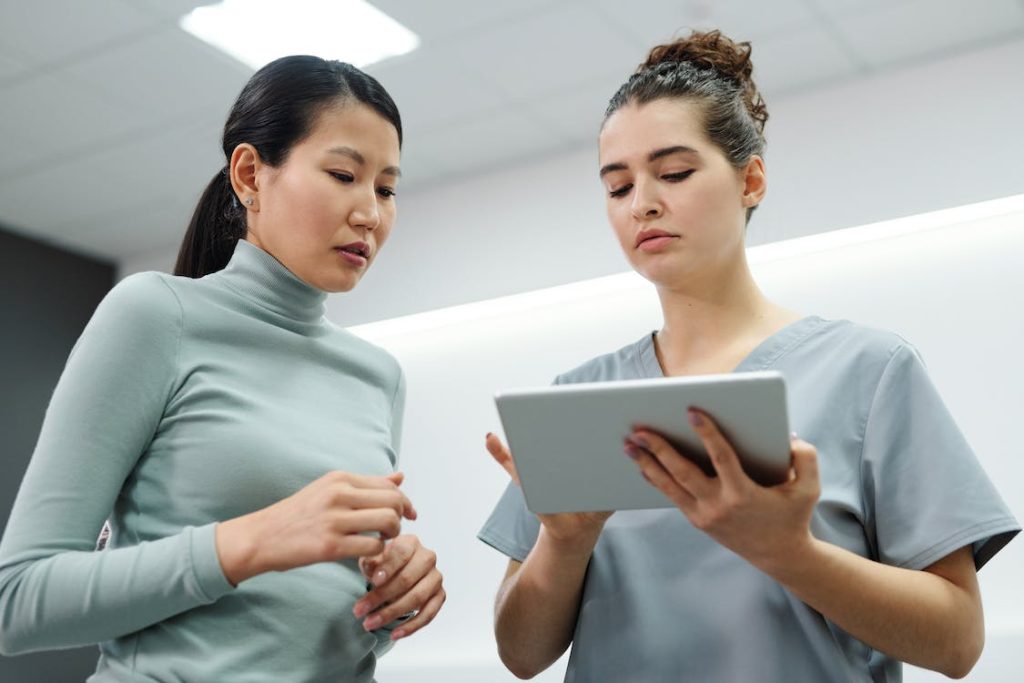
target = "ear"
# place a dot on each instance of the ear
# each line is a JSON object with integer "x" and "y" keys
{"x": 244, "y": 167}
{"x": 755, "y": 182}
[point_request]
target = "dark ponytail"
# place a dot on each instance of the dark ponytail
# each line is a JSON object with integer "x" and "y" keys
{"x": 276, "y": 110}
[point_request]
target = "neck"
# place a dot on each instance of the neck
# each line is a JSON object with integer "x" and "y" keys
{"x": 714, "y": 319}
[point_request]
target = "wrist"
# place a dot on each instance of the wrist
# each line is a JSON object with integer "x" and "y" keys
{"x": 792, "y": 560}
{"x": 580, "y": 544}
{"x": 236, "y": 549}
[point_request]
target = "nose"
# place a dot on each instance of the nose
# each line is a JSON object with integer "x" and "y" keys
{"x": 365, "y": 213}
{"x": 646, "y": 204}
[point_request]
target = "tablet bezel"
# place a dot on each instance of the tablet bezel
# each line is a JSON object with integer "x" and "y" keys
{"x": 587, "y": 423}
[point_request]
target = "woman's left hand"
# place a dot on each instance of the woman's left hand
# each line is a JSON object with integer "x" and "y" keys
{"x": 765, "y": 525}
{"x": 405, "y": 579}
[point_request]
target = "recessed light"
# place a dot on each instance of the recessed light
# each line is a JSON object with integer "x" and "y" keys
{"x": 259, "y": 31}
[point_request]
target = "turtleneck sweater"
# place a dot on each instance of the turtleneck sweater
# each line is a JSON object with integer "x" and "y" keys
{"x": 186, "y": 402}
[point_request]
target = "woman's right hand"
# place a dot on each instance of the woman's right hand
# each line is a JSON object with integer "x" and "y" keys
{"x": 339, "y": 516}
{"x": 566, "y": 528}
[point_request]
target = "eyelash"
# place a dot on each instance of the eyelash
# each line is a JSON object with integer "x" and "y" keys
{"x": 670, "y": 177}
{"x": 385, "y": 192}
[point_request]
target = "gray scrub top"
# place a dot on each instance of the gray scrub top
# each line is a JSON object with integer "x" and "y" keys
{"x": 664, "y": 602}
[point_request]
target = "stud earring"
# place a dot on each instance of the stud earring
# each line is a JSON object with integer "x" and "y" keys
{"x": 248, "y": 201}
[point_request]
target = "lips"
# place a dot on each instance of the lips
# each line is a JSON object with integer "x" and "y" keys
{"x": 357, "y": 248}
{"x": 656, "y": 237}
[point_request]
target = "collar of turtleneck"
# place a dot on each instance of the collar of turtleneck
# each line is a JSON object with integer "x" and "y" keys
{"x": 262, "y": 279}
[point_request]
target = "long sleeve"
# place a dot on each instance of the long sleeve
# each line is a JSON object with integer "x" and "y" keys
{"x": 55, "y": 589}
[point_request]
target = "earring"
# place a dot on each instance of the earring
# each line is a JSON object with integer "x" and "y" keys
{"x": 248, "y": 201}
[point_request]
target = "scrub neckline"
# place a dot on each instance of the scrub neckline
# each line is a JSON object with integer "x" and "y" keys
{"x": 762, "y": 357}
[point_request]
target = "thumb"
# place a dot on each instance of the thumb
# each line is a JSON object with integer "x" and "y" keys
{"x": 501, "y": 455}
{"x": 805, "y": 464}
{"x": 396, "y": 477}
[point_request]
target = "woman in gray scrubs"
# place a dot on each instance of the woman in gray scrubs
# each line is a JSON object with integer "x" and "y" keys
{"x": 868, "y": 555}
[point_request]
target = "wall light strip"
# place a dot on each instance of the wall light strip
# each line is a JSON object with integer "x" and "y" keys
{"x": 764, "y": 253}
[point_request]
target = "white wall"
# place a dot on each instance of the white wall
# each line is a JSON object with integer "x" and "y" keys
{"x": 955, "y": 291}
{"x": 921, "y": 138}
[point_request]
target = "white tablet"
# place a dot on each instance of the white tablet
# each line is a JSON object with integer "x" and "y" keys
{"x": 567, "y": 440}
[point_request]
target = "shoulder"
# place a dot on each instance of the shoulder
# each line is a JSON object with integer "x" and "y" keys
{"x": 145, "y": 300}
{"x": 375, "y": 357}
{"x": 863, "y": 343}
{"x": 625, "y": 363}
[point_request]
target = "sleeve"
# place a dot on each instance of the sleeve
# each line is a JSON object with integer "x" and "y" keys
{"x": 398, "y": 415}
{"x": 925, "y": 492}
{"x": 383, "y": 634}
{"x": 56, "y": 590}
{"x": 512, "y": 529}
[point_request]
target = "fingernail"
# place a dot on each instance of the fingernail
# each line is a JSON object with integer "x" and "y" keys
{"x": 640, "y": 441}
{"x": 362, "y": 608}
{"x": 379, "y": 577}
{"x": 696, "y": 419}
{"x": 395, "y": 635}
{"x": 372, "y": 623}
{"x": 793, "y": 436}
{"x": 632, "y": 451}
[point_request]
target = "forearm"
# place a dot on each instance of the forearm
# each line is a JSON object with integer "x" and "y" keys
{"x": 914, "y": 616}
{"x": 84, "y": 597}
{"x": 536, "y": 610}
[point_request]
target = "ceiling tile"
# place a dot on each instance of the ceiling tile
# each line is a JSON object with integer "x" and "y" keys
{"x": 139, "y": 226}
{"x": 431, "y": 86}
{"x": 561, "y": 47}
{"x": 501, "y": 138}
{"x": 177, "y": 162}
{"x": 433, "y": 21}
{"x": 577, "y": 112}
{"x": 47, "y": 116}
{"x": 170, "y": 9}
{"x": 781, "y": 61}
{"x": 893, "y": 33}
{"x": 166, "y": 75}
{"x": 840, "y": 8}
{"x": 652, "y": 22}
{"x": 46, "y": 32}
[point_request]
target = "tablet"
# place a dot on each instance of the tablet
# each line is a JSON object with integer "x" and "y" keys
{"x": 567, "y": 440}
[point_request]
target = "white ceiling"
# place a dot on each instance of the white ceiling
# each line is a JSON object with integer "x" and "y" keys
{"x": 110, "y": 115}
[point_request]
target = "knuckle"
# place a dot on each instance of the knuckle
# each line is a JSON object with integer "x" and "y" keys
{"x": 403, "y": 584}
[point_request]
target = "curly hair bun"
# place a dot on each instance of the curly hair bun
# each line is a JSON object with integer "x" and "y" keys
{"x": 711, "y": 50}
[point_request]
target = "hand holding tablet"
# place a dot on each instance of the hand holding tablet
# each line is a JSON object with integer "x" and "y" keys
{"x": 567, "y": 440}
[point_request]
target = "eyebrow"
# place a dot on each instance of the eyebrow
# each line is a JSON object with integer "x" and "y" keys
{"x": 653, "y": 156}
{"x": 361, "y": 160}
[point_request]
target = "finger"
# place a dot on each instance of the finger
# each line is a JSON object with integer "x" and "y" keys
{"x": 353, "y": 545}
{"x": 658, "y": 477}
{"x": 805, "y": 466}
{"x": 384, "y": 521}
{"x": 397, "y": 555}
{"x": 404, "y": 580}
{"x": 502, "y": 455}
{"x": 367, "y": 481}
{"x": 412, "y": 600}
{"x": 681, "y": 469}
{"x": 367, "y": 565}
{"x": 723, "y": 457}
{"x": 387, "y": 482}
{"x": 425, "y": 616}
{"x": 360, "y": 499}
